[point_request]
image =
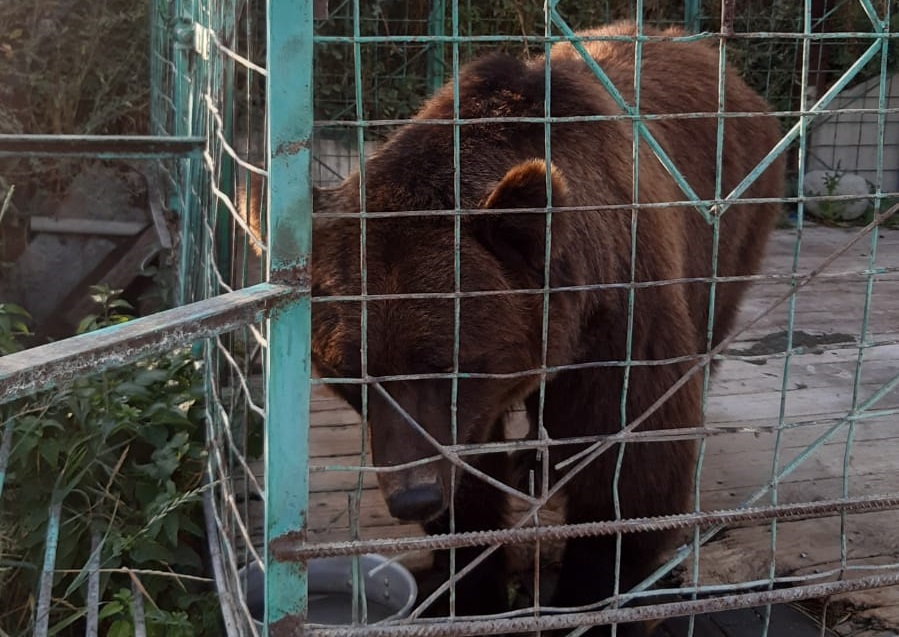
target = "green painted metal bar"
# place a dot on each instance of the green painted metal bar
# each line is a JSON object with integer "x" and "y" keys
{"x": 5, "y": 447}
{"x": 774, "y": 483}
{"x": 288, "y": 363}
{"x": 223, "y": 248}
{"x": 646, "y": 117}
{"x": 182, "y": 40}
{"x": 542, "y": 433}
{"x": 45, "y": 592}
{"x": 693, "y": 16}
{"x": 880, "y": 26}
{"x": 100, "y": 146}
{"x": 42, "y": 367}
{"x": 539, "y": 39}
{"x": 355, "y": 499}
{"x": 457, "y": 282}
{"x": 636, "y": 126}
{"x": 196, "y": 269}
{"x": 436, "y": 65}
{"x": 869, "y": 284}
{"x": 358, "y": 107}
{"x": 157, "y": 117}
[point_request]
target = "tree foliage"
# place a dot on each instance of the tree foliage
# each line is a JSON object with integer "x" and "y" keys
{"x": 394, "y": 77}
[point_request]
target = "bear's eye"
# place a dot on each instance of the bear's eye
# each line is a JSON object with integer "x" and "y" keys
{"x": 429, "y": 362}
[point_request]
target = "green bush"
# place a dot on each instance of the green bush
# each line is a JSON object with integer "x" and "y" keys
{"x": 123, "y": 451}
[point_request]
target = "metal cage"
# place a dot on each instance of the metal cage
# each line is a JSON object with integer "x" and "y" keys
{"x": 255, "y": 102}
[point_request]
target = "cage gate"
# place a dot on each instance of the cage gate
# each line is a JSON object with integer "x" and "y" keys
{"x": 796, "y": 425}
{"x": 189, "y": 153}
{"x": 787, "y": 53}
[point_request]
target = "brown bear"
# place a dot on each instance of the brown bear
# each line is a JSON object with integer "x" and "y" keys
{"x": 605, "y": 358}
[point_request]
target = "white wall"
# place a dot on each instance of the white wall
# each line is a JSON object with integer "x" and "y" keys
{"x": 851, "y": 140}
{"x": 332, "y": 160}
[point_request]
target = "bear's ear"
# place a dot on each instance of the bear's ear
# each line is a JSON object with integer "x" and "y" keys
{"x": 524, "y": 186}
{"x": 518, "y": 239}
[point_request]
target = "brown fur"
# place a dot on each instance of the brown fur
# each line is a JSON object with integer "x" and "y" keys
{"x": 591, "y": 166}
{"x": 248, "y": 198}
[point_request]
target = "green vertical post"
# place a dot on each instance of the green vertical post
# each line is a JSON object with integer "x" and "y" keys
{"x": 436, "y": 20}
{"x": 693, "y": 16}
{"x": 290, "y": 118}
{"x": 181, "y": 123}
{"x": 156, "y": 86}
{"x": 226, "y": 170}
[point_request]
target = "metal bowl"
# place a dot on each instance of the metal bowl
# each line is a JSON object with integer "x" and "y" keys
{"x": 390, "y": 590}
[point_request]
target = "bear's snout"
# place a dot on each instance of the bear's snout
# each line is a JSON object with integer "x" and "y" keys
{"x": 417, "y": 503}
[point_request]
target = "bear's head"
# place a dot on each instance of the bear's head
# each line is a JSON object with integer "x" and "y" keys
{"x": 387, "y": 321}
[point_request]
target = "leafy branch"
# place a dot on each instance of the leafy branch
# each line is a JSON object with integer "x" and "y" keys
{"x": 124, "y": 453}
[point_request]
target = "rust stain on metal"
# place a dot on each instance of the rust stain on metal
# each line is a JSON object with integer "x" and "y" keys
{"x": 727, "y": 18}
{"x": 291, "y": 148}
{"x": 320, "y": 9}
{"x": 296, "y": 276}
{"x": 284, "y": 547}
{"x": 566, "y": 621}
{"x": 279, "y": 549}
{"x": 792, "y": 512}
{"x": 289, "y": 626}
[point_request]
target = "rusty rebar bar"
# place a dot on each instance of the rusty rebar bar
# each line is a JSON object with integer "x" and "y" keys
{"x": 464, "y": 627}
{"x": 524, "y": 535}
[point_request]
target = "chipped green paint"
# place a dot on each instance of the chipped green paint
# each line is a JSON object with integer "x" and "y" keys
{"x": 289, "y": 104}
{"x": 56, "y": 363}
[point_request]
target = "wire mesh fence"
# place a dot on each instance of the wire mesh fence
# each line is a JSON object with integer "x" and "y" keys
{"x": 555, "y": 378}
{"x": 539, "y": 513}
{"x": 103, "y": 461}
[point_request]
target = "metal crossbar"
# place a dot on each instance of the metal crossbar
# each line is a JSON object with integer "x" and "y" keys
{"x": 99, "y": 146}
{"x": 471, "y": 627}
{"x": 42, "y": 367}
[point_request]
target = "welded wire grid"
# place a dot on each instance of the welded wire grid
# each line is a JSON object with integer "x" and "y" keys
{"x": 792, "y": 41}
{"x": 217, "y": 89}
{"x": 369, "y": 79}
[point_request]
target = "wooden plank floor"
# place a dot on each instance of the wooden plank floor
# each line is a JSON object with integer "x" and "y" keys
{"x": 819, "y": 390}
{"x": 815, "y": 387}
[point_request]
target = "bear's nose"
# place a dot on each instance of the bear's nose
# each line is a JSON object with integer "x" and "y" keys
{"x": 418, "y": 503}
